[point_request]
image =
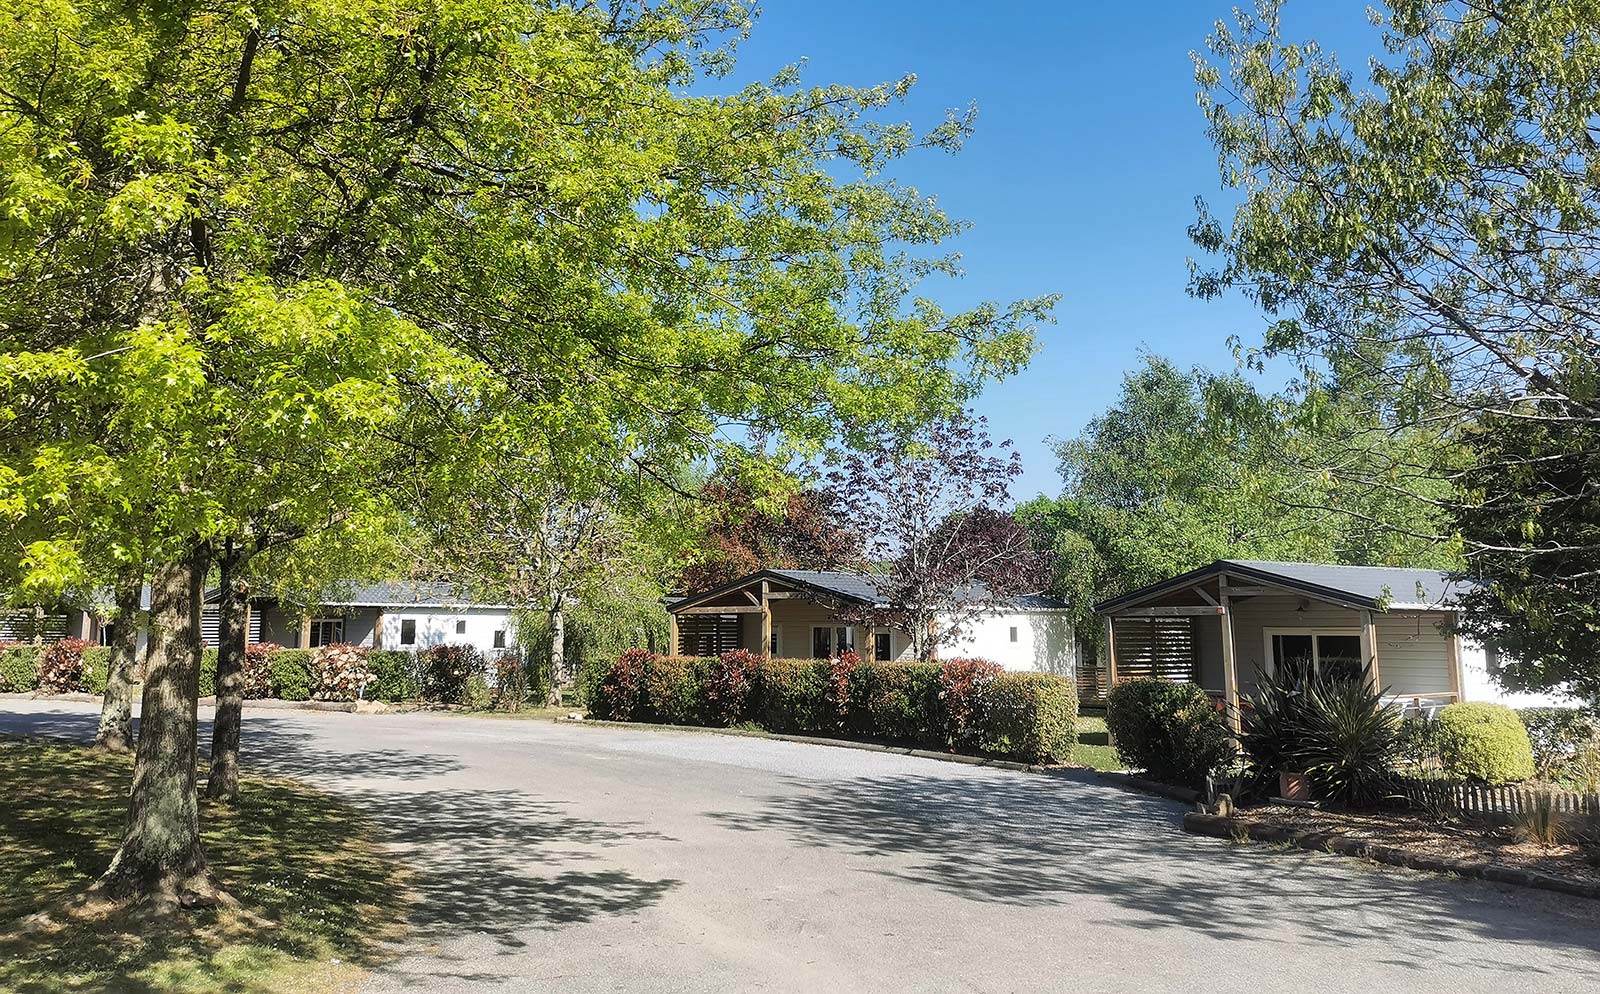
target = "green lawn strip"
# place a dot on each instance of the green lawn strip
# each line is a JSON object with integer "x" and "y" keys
{"x": 320, "y": 900}
{"x": 1094, "y": 747}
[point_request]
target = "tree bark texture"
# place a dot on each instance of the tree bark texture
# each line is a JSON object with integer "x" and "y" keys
{"x": 116, "y": 709}
{"x": 223, "y": 781}
{"x": 558, "y": 655}
{"x": 160, "y": 864}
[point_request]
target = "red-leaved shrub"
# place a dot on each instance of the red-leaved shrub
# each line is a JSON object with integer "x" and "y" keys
{"x": 729, "y": 678}
{"x": 339, "y": 672}
{"x": 962, "y": 683}
{"x": 258, "y": 669}
{"x": 617, "y": 696}
{"x": 446, "y": 669}
{"x": 61, "y": 666}
{"x": 839, "y": 669}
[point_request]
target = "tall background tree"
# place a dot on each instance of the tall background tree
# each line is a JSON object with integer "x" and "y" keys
{"x": 939, "y": 544}
{"x": 424, "y": 209}
{"x": 771, "y": 521}
{"x": 1439, "y": 222}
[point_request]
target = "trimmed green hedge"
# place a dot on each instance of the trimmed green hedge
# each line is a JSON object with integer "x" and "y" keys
{"x": 291, "y": 675}
{"x": 96, "y": 668}
{"x": 1486, "y": 743}
{"x": 1031, "y": 716}
{"x": 1172, "y": 730}
{"x": 19, "y": 668}
{"x": 396, "y": 675}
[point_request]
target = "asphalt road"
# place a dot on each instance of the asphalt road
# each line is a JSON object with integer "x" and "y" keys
{"x": 578, "y": 859}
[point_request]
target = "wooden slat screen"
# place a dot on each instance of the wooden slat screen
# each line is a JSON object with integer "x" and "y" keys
{"x": 1159, "y": 648}
{"x": 25, "y": 626}
{"x": 707, "y": 634}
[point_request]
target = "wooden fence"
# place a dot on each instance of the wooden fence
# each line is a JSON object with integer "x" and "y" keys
{"x": 1494, "y": 804}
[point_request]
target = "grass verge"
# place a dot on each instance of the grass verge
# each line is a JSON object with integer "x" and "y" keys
{"x": 320, "y": 900}
{"x": 1094, "y": 747}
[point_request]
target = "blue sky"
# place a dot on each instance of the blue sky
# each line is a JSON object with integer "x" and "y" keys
{"x": 1080, "y": 180}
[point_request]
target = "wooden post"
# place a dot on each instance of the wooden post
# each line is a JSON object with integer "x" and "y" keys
{"x": 247, "y": 610}
{"x": 1369, "y": 649}
{"x": 377, "y": 631}
{"x": 1230, "y": 667}
{"x": 1111, "y": 655}
{"x": 305, "y": 633}
{"x": 1453, "y": 648}
{"x": 766, "y": 621}
{"x": 672, "y": 634}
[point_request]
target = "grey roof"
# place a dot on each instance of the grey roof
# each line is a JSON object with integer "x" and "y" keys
{"x": 857, "y": 587}
{"x": 1382, "y": 587}
{"x": 400, "y": 593}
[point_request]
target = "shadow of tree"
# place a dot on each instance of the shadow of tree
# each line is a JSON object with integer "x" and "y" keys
{"x": 1040, "y": 841}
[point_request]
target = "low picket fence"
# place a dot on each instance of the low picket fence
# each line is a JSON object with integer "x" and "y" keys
{"x": 1499, "y": 804}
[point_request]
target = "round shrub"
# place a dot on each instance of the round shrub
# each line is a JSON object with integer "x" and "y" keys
{"x": 1032, "y": 716}
{"x": 1169, "y": 729}
{"x": 729, "y": 680}
{"x": 61, "y": 666}
{"x": 1484, "y": 743}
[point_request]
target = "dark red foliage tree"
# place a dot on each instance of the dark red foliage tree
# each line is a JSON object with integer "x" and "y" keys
{"x": 741, "y": 538}
{"x": 938, "y": 547}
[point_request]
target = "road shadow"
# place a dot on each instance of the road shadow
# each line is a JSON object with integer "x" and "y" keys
{"x": 1049, "y": 840}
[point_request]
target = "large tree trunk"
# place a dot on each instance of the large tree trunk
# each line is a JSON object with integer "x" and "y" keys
{"x": 116, "y": 710}
{"x": 232, "y": 635}
{"x": 160, "y": 864}
{"x": 558, "y": 654}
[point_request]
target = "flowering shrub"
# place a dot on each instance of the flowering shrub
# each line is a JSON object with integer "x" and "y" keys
{"x": 729, "y": 680}
{"x": 616, "y": 697}
{"x": 61, "y": 666}
{"x": 339, "y": 672}
{"x": 963, "y": 686}
{"x": 258, "y": 669}
{"x": 446, "y": 669}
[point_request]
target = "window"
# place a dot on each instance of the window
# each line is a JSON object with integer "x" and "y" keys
{"x": 772, "y": 647}
{"x": 461, "y": 627}
{"x": 499, "y": 638}
{"x": 408, "y": 631}
{"x": 1013, "y": 633}
{"x": 326, "y": 631}
{"x": 826, "y": 640}
{"x": 1333, "y": 652}
{"x": 880, "y": 647}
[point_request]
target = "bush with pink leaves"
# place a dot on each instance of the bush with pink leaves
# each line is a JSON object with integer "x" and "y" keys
{"x": 258, "y": 669}
{"x": 962, "y": 686}
{"x": 339, "y": 672}
{"x": 729, "y": 678}
{"x": 61, "y": 666}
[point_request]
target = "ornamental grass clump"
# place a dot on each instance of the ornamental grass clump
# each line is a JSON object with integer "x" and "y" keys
{"x": 1338, "y": 732}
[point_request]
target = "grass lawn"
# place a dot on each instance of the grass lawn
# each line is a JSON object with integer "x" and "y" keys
{"x": 319, "y": 898}
{"x": 1094, "y": 745}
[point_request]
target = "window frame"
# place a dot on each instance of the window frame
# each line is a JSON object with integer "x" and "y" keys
{"x": 499, "y": 640}
{"x": 402, "y": 636}
{"x": 314, "y": 637}
{"x": 1315, "y": 632}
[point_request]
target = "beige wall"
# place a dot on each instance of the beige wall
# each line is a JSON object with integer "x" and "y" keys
{"x": 1413, "y": 653}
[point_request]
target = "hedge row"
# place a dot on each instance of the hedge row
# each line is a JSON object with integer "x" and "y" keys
{"x": 965, "y": 704}
{"x": 448, "y": 674}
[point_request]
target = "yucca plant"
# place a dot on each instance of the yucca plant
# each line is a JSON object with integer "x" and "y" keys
{"x": 1347, "y": 740}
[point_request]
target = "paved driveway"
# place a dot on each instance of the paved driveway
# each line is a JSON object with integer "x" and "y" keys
{"x": 572, "y": 859}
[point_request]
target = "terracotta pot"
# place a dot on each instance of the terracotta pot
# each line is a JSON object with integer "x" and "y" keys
{"x": 1293, "y": 786}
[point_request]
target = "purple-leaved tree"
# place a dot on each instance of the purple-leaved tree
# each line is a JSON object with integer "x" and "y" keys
{"x": 938, "y": 546}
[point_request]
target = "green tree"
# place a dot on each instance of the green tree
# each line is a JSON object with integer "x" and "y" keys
{"x": 519, "y": 201}
{"x": 1442, "y": 214}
